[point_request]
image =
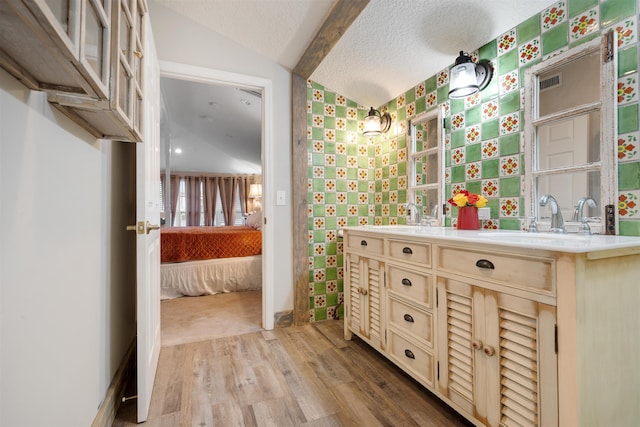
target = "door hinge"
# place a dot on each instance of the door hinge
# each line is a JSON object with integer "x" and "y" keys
{"x": 409, "y": 129}
{"x": 438, "y": 371}
{"x": 555, "y": 338}
{"x": 608, "y": 49}
{"x": 444, "y": 123}
{"x": 436, "y": 297}
{"x": 384, "y": 279}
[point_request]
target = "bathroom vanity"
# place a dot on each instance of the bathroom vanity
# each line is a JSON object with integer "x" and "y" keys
{"x": 507, "y": 327}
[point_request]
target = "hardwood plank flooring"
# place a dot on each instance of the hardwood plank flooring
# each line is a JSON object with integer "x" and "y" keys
{"x": 297, "y": 376}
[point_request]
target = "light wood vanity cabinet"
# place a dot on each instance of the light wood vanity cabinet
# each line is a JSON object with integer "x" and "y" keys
{"x": 88, "y": 55}
{"x": 508, "y": 335}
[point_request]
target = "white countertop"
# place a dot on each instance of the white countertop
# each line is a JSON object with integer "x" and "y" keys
{"x": 548, "y": 241}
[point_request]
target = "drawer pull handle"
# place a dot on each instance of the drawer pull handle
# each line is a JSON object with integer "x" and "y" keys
{"x": 476, "y": 344}
{"x": 407, "y": 250}
{"x": 363, "y": 243}
{"x": 408, "y": 318}
{"x": 485, "y": 263}
{"x": 409, "y": 354}
{"x": 406, "y": 282}
{"x": 364, "y": 292}
{"x": 488, "y": 350}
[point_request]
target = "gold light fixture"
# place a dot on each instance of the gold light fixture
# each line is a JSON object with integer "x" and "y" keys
{"x": 467, "y": 77}
{"x": 376, "y": 123}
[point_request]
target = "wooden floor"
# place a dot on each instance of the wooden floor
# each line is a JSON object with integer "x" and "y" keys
{"x": 297, "y": 376}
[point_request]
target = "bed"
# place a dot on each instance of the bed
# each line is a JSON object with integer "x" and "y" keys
{"x": 209, "y": 260}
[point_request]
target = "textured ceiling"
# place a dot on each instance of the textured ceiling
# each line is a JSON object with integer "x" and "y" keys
{"x": 391, "y": 46}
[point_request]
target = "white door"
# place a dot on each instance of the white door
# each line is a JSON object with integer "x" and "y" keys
{"x": 562, "y": 144}
{"x": 148, "y": 234}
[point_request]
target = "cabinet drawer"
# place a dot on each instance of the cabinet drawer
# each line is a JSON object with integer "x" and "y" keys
{"x": 367, "y": 244}
{"x": 415, "y": 360}
{"x": 414, "y": 252}
{"x": 414, "y": 286}
{"x": 412, "y": 321}
{"x": 529, "y": 273}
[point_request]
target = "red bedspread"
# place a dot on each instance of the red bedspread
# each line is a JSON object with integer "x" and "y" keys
{"x": 197, "y": 243}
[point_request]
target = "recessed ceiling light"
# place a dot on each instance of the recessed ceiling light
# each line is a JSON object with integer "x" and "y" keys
{"x": 178, "y": 151}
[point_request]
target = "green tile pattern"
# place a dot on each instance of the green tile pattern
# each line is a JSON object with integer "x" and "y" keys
{"x": 355, "y": 180}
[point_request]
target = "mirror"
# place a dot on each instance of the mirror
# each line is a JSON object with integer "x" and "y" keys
{"x": 570, "y": 131}
{"x": 426, "y": 168}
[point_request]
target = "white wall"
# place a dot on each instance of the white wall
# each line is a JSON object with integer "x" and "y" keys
{"x": 183, "y": 41}
{"x": 67, "y": 283}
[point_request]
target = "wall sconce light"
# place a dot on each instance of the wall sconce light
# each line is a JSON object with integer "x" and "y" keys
{"x": 255, "y": 193}
{"x": 376, "y": 123}
{"x": 467, "y": 77}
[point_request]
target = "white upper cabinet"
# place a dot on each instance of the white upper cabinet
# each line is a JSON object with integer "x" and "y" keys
{"x": 57, "y": 45}
{"x": 87, "y": 54}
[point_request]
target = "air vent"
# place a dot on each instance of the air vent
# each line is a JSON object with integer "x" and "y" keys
{"x": 551, "y": 82}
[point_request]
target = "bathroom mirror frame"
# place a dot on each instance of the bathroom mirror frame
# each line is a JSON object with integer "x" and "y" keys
{"x": 437, "y": 153}
{"x": 606, "y": 164}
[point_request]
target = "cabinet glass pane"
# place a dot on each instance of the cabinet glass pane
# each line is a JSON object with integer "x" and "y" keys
{"x": 568, "y": 142}
{"x": 94, "y": 36}
{"x": 60, "y": 9}
{"x": 137, "y": 65}
{"x": 139, "y": 15}
{"x": 139, "y": 114}
{"x": 125, "y": 34}
{"x": 124, "y": 90}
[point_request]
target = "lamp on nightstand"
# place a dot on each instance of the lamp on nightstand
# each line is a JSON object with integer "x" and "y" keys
{"x": 255, "y": 193}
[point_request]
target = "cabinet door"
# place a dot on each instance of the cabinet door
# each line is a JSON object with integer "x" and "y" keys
{"x": 364, "y": 291}
{"x": 353, "y": 294}
{"x": 497, "y": 355}
{"x": 521, "y": 361}
{"x": 456, "y": 356}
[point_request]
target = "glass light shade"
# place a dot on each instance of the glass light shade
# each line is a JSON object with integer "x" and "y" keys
{"x": 371, "y": 126}
{"x": 255, "y": 190}
{"x": 463, "y": 80}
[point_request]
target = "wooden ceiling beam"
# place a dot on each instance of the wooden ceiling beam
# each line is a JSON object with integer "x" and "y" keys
{"x": 342, "y": 15}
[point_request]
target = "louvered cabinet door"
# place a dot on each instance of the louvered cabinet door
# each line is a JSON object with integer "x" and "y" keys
{"x": 456, "y": 356}
{"x": 353, "y": 294}
{"x": 363, "y": 289}
{"x": 521, "y": 361}
{"x": 373, "y": 302}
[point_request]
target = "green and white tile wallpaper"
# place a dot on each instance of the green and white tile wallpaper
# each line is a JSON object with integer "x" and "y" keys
{"x": 355, "y": 180}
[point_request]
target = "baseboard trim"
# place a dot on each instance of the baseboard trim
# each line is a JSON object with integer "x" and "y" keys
{"x": 283, "y": 319}
{"x": 109, "y": 407}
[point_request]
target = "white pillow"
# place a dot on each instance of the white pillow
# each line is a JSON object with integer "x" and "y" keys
{"x": 255, "y": 220}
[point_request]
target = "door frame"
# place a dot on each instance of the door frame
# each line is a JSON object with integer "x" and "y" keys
{"x": 197, "y": 74}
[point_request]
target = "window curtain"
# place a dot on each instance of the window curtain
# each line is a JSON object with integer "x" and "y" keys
{"x": 228, "y": 188}
{"x": 243, "y": 193}
{"x": 175, "y": 191}
{"x": 193, "y": 193}
{"x": 210, "y": 196}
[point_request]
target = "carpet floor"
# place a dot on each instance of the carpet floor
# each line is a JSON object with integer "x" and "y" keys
{"x": 192, "y": 319}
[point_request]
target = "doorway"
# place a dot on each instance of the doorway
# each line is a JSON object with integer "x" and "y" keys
{"x": 255, "y": 91}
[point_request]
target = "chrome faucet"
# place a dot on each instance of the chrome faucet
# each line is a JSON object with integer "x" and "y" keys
{"x": 414, "y": 213}
{"x": 577, "y": 211}
{"x": 557, "y": 223}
